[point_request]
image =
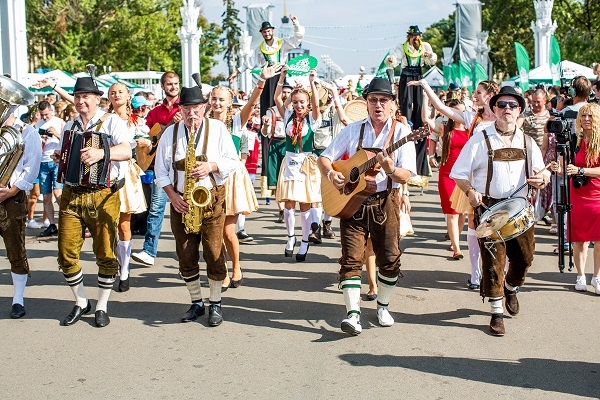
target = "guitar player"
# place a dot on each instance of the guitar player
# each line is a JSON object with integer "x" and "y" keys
{"x": 378, "y": 216}
{"x": 163, "y": 114}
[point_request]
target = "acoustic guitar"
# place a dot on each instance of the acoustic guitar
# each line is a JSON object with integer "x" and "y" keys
{"x": 145, "y": 155}
{"x": 359, "y": 178}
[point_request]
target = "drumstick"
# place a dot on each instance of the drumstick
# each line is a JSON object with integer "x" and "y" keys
{"x": 525, "y": 184}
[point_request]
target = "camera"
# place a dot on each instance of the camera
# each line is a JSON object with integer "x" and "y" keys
{"x": 562, "y": 126}
{"x": 43, "y": 132}
{"x": 579, "y": 181}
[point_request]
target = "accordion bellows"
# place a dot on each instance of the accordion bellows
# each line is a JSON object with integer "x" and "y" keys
{"x": 71, "y": 171}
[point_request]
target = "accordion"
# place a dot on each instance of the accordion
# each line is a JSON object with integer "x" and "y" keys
{"x": 71, "y": 171}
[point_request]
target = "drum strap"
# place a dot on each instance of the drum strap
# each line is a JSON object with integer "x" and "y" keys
{"x": 504, "y": 155}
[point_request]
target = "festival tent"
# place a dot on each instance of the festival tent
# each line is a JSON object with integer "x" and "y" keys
{"x": 435, "y": 77}
{"x": 542, "y": 74}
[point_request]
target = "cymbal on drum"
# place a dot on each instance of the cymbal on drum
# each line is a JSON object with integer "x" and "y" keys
{"x": 492, "y": 224}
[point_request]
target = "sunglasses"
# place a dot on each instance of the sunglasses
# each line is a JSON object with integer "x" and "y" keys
{"x": 504, "y": 104}
{"x": 382, "y": 100}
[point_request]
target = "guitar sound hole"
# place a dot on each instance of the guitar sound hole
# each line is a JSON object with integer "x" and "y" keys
{"x": 354, "y": 174}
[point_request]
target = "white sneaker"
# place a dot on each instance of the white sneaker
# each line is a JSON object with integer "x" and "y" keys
{"x": 351, "y": 326}
{"x": 596, "y": 284}
{"x": 143, "y": 258}
{"x": 581, "y": 283}
{"x": 46, "y": 223}
{"x": 32, "y": 224}
{"x": 384, "y": 317}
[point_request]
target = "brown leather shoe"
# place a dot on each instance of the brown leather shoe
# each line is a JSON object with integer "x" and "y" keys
{"x": 512, "y": 304}
{"x": 497, "y": 325}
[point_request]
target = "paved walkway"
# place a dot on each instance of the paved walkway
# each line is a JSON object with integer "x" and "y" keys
{"x": 281, "y": 336}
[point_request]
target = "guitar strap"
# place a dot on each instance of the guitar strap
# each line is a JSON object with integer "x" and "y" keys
{"x": 387, "y": 144}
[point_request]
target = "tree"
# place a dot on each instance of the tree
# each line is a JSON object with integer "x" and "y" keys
{"x": 125, "y": 34}
{"x": 232, "y": 30}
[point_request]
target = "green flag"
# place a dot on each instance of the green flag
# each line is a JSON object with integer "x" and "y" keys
{"x": 447, "y": 76}
{"x": 456, "y": 74}
{"x": 522, "y": 65}
{"x": 381, "y": 71}
{"x": 555, "y": 60}
{"x": 464, "y": 74}
{"x": 359, "y": 89}
{"x": 479, "y": 74}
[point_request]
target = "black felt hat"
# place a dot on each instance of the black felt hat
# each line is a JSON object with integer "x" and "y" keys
{"x": 508, "y": 91}
{"x": 414, "y": 30}
{"x": 379, "y": 86}
{"x": 86, "y": 85}
{"x": 191, "y": 96}
{"x": 266, "y": 25}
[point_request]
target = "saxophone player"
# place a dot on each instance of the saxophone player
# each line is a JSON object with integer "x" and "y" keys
{"x": 209, "y": 142}
{"x": 17, "y": 180}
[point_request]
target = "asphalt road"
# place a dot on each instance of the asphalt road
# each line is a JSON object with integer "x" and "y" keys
{"x": 281, "y": 336}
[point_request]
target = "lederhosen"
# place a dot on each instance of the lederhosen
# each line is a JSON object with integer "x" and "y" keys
{"x": 98, "y": 210}
{"x": 519, "y": 249}
{"x": 276, "y": 152}
{"x": 379, "y": 218}
{"x": 13, "y": 215}
{"x": 187, "y": 246}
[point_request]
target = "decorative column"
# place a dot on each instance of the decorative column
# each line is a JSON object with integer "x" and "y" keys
{"x": 244, "y": 59}
{"x": 542, "y": 29}
{"x": 189, "y": 34}
{"x": 13, "y": 39}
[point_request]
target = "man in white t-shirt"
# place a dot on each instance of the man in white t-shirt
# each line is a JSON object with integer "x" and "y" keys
{"x": 49, "y": 128}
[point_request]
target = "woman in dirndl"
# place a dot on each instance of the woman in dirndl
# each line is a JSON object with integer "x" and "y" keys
{"x": 239, "y": 196}
{"x": 131, "y": 194}
{"x": 299, "y": 177}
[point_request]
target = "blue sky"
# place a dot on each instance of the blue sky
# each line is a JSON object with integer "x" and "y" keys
{"x": 353, "y": 33}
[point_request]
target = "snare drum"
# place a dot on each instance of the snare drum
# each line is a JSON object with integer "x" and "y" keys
{"x": 521, "y": 214}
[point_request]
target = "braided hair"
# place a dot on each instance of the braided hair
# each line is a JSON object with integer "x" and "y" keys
{"x": 230, "y": 112}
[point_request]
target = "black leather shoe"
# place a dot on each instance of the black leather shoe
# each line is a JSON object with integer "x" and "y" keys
{"x": 215, "y": 315}
{"x": 17, "y": 311}
{"x": 51, "y": 230}
{"x": 193, "y": 313}
{"x": 302, "y": 257}
{"x": 76, "y": 314}
{"x": 123, "y": 285}
{"x": 101, "y": 319}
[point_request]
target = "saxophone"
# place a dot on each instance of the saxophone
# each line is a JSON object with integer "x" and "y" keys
{"x": 196, "y": 196}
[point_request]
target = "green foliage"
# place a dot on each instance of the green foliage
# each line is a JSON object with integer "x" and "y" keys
{"x": 129, "y": 35}
{"x": 510, "y": 21}
{"x": 232, "y": 30}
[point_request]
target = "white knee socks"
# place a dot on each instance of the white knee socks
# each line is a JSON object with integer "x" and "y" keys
{"x": 19, "y": 283}
{"x": 496, "y": 305}
{"x": 474, "y": 253}
{"x": 327, "y": 217}
{"x": 385, "y": 289}
{"x": 241, "y": 222}
{"x": 123, "y": 257}
{"x": 351, "y": 290}
{"x": 289, "y": 218}
{"x": 215, "y": 291}
{"x": 316, "y": 213}
{"x": 306, "y": 221}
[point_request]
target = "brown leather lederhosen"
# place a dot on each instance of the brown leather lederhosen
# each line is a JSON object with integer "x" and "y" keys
{"x": 519, "y": 249}
{"x": 379, "y": 218}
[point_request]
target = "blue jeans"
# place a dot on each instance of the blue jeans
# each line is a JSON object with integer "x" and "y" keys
{"x": 156, "y": 214}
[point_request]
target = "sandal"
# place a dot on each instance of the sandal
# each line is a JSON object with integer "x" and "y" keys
{"x": 371, "y": 296}
{"x": 553, "y": 229}
{"x": 458, "y": 256}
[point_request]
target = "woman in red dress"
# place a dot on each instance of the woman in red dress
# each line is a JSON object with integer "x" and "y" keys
{"x": 585, "y": 194}
{"x": 453, "y": 136}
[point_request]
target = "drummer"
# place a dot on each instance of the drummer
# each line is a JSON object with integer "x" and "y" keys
{"x": 488, "y": 177}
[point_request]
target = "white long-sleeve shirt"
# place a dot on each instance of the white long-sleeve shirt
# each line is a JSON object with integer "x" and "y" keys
{"x": 346, "y": 142}
{"x": 404, "y": 61}
{"x": 257, "y": 59}
{"x": 472, "y": 164}
{"x": 28, "y": 168}
{"x": 114, "y": 126}
{"x": 220, "y": 150}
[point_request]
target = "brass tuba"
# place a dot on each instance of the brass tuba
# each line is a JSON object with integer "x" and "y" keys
{"x": 194, "y": 194}
{"x": 12, "y": 95}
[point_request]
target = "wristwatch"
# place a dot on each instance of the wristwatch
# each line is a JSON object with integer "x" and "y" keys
{"x": 581, "y": 171}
